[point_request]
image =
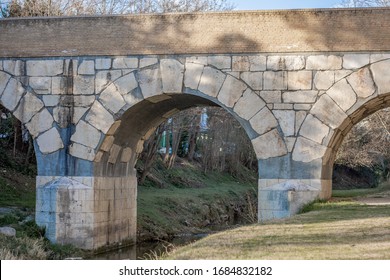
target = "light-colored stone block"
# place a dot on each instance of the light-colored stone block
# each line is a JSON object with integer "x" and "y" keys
{"x": 78, "y": 113}
{"x": 283, "y": 106}
{"x": 248, "y": 105}
{"x": 147, "y": 61}
{"x": 150, "y": 82}
{"x": 86, "y": 135}
{"x": 41, "y": 85}
{"x": 58, "y": 85}
{"x": 299, "y": 118}
{"x": 126, "y": 83}
{"x": 172, "y": 73}
{"x": 83, "y": 85}
{"x": 324, "y": 79}
{"x": 342, "y": 94}
{"x": 12, "y": 94}
{"x": 314, "y": 129}
{"x": 103, "y": 63}
{"x": 300, "y": 80}
{"x": 291, "y": 63}
{"x": 82, "y": 100}
{"x": 362, "y": 83}
{"x": 4, "y": 78}
{"x": 51, "y": 100}
{"x": 306, "y": 150}
{"x": 274, "y": 96}
{"x": 29, "y": 105}
{"x": 220, "y": 61}
{"x": 324, "y": 62}
{"x": 378, "y": 57}
{"x": 114, "y": 127}
{"x": 290, "y": 142}
{"x": 99, "y": 117}
{"x": 354, "y": 61}
{"x": 275, "y": 80}
{"x": 305, "y": 107}
{"x": 263, "y": 121}
{"x": 50, "y": 141}
{"x": 253, "y": 79}
{"x": 42, "y": 68}
{"x": 327, "y": 111}
{"x": 380, "y": 72}
{"x": 112, "y": 99}
{"x": 41, "y": 122}
{"x": 125, "y": 62}
{"x": 192, "y": 75}
{"x": 197, "y": 60}
{"x": 303, "y": 96}
{"x": 232, "y": 89}
{"x": 286, "y": 119}
{"x": 269, "y": 145}
{"x": 240, "y": 63}
{"x": 14, "y": 67}
{"x": 86, "y": 67}
{"x": 211, "y": 81}
{"x": 81, "y": 151}
{"x": 104, "y": 78}
{"x": 257, "y": 63}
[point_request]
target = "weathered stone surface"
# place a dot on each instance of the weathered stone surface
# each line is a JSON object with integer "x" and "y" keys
{"x": 41, "y": 122}
{"x": 211, "y": 81}
{"x": 381, "y": 76}
{"x": 58, "y": 85}
{"x": 99, "y": 117}
{"x": 220, "y": 61}
{"x": 81, "y": 151}
{"x": 263, "y": 121}
{"x": 125, "y": 62}
{"x": 275, "y": 80}
{"x": 362, "y": 83}
{"x": 197, "y": 60}
{"x": 86, "y": 67}
{"x": 114, "y": 127}
{"x": 299, "y": 118}
{"x": 341, "y": 74}
{"x": 299, "y": 80}
{"x": 286, "y": 119}
{"x": 192, "y": 75}
{"x": 14, "y": 67}
{"x": 126, "y": 83}
{"x": 324, "y": 79}
{"x": 257, "y": 63}
{"x": 327, "y": 111}
{"x": 303, "y": 96}
{"x": 147, "y": 61}
{"x": 81, "y": 100}
{"x": 306, "y": 150}
{"x": 29, "y": 105}
{"x": 172, "y": 73}
{"x": 274, "y": 96}
{"x": 378, "y": 57}
{"x": 283, "y": 106}
{"x": 4, "y": 78}
{"x": 86, "y": 135}
{"x": 103, "y": 63}
{"x": 8, "y": 231}
{"x": 305, "y": 107}
{"x": 126, "y": 155}
{"x": 104, "y": 78}
{"x": 12, "y": 93}
{"x": 150, "y": 82}
{"x": 41, "y": 85}
{"x": 240, "y": 63}
{"x": 83, "y": 85}
{"x": 314, "y": 129}
{"x": 269, "y": 145}
{"x": 342, "y": 94}
{"x": 248, "y": 105}
{"x": 107, "y": 143}
{"x": 253, "y": 79}
{"x": 231, "y": 91}
{"x": 114, "y": 153}
{"x": 285, "y": 63}
{"x": 78, "y": 113}
{"x": 354, "y": 61}
{"x": 112, "y": 99}
{"x": 50, "y": 141}
{"x": 290, "y": 142}
{"x": 51, "y": 100}
{"x": 323, "y": 62}
{"x": 43, "y": 68}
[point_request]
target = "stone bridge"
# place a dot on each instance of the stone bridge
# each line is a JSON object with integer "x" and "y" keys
{"x": 90, "y": 90}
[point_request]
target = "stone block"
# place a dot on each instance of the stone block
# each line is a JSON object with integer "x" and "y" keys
{"x": 147, "y": 61}
{"x": 291, "y": 63}
{"x": 248, "y": 105}
{"x": 362, "y": 83}
{"x": 112, "y": 99}
{"x": 341, "y": 74}
{"x": 107, "y": 143}
{"x": 14, "y": 67}
{"x": 114, "y": 153}
{"x": 197, "y": 60}
{"x": 305, "y": 107}
{"x": 126, "y": 83}
{"x": 29, "y": 105}
{"x": 283, "y": 106}
{"x": 240, "y": 63}
{"x": 257, "y": 63}
{"x": 58, "y": 85}
{"x": 86, "y": 67}
{"x": 12, "y": 94}
{"x": 327, "y": 111}
{"x": 4, "y": 78}
{"x": 41, "y": 85}
{"x": 103, "y": 63}
{"x": 286, "y": 119}
{"x": 80, "y": 151}
{"x": 381, "y": 76}
{"x": 126, "y": 154}
{"x": 263, "y": 121}
{"x": 342, "y": 94}
{"x": 253, "y": 79}
{"x": 378, "y": 57}
{"x": 354, "y": 61}
{"x": 323, "y": 62}
{"x": 125, "y": 62}
{"x": 86, "y": 135}
{"x": 172, "y": 73}
{"x": 302, "y": 96}
{"x": 51, "y": 100}
{"x": 290, "y": 142}
{"x": 300, "y": 80}
{"x": 99, "y": 117}
{"x": 192, "y": 75}
{"x": 114, "y": 127}
{"x": 275, "y": 80}
{"x": 50, "y": 141}
{"x": 269, "y": 145}
{"x": 232, "y": 89}
{"x": 44, "y": 68}
{"x": 83, "y": 85}
{"x": 323, "y": 80}
{"x": 104, "y": 78}
{"x": 150, "y": 82}
{"x": 299, "y": 118}
{"x": 220, "y": 61}
{"x": 314, "y": 129}
{"x": 274, "y": 96}
{"x": 306, "y": 150}
{"x": 211, "y": 81}
{"x": 41, "y": 122}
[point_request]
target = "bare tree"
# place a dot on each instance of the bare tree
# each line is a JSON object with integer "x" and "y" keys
{"x": 364, "y": 3}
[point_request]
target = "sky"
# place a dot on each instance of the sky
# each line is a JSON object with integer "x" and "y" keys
{"x": 283, "y": 4}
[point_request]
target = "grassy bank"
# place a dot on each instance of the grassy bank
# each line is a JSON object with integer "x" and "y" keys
{"x": 340, "y": 229}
